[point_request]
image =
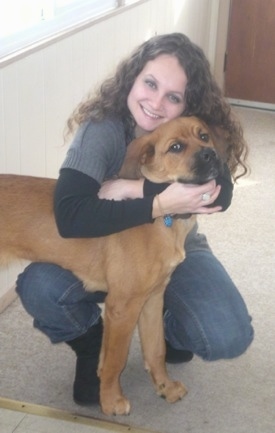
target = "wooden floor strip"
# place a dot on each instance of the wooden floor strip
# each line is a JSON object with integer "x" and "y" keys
{"x": 44, "y": 411}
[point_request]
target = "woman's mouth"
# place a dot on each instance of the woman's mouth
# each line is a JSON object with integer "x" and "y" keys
{"x": 149, "y": 113}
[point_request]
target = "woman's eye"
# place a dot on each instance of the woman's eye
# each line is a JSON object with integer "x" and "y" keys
{"x": 151, "y": 84}
{"x": 174, "y": 99}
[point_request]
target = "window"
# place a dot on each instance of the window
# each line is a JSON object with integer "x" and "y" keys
{"x": 24, "y": 23}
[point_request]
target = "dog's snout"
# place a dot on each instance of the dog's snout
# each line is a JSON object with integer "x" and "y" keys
{"x": 208, "y": 155}
{"x": 207, "y": 165}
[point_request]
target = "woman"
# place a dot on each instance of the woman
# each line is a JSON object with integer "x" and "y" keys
{"x": 166, "y": 77}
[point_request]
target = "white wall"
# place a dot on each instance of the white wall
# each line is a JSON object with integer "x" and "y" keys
{"x": 39, "y": 91}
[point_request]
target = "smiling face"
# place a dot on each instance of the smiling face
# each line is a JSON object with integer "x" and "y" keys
{"x": 158, "y": 93}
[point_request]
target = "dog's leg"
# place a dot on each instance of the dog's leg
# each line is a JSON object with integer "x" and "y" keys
{"x": 153, "y": 345}
{"x": 119, "y": 323}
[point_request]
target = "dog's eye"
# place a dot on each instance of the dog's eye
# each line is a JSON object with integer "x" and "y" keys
{"x": 177, "y": 147}
{"x": 204, "y": 136}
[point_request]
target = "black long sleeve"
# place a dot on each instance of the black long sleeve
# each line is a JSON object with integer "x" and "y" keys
{"x": 225, "y": 197}
{"x": 79, "y": 213}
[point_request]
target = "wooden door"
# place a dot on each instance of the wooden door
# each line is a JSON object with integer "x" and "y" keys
{"x": 250, "y": 59}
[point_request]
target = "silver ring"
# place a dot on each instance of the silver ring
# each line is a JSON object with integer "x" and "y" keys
{"x": 206, "y": 196}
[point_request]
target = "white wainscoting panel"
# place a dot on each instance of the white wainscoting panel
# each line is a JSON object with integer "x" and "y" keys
{"x": 39, "y": 91}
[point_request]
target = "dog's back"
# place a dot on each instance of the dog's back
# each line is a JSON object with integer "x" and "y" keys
{"x": 25, "y": 215}
{"x": 27, "y": 225}
{"x": 28, "y": 231}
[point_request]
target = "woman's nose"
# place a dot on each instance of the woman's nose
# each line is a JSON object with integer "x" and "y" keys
{"x": 157, "y": 101}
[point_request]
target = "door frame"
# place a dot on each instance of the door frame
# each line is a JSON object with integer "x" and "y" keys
{"x": 221, "y": 49}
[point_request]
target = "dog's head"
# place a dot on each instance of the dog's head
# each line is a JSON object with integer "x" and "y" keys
{"x": 182, "y": 150}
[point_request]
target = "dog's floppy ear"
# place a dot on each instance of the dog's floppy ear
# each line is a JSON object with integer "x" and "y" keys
{"x": 137, "y": 154}
{"x": 147, "y": 152}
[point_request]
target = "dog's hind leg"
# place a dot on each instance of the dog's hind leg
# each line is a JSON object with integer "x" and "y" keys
{"x": 121, "y": 317}
{"x": 152, "y": 339}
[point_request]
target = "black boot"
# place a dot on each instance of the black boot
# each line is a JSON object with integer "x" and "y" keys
{"x": 87, "y": 349}
{"x": 176, "y": 356}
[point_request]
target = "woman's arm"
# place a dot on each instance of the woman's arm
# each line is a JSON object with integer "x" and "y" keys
{"x": 80, "y": 213}
{"x": 225, "y": 197}
{"x": 176, "y": 198}
{"x": 85, "y": 209}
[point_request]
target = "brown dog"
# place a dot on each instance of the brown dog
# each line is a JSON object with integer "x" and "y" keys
{"x": 134, "y": 266}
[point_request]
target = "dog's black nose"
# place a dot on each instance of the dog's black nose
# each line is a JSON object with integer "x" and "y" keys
{"x": 206, "y": 165}
{"x": 207, "y": 155}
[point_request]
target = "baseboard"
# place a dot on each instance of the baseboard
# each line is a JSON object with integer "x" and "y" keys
{"x": 57, "y": 414}
{"x": 252, "y": 104}
{"x": 7, "y": 297}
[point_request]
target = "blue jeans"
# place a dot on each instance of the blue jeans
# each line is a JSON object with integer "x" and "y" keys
{"x": 205, "y": 313}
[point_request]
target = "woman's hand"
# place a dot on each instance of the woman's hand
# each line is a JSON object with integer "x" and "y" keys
{"x": 178, "y": 198}
{"x": 121, "y": 189}
{"x": 181, "y": 198}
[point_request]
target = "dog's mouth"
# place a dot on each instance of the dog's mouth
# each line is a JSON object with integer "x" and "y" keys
{"x": 201, "y": 178}
{"x": 206, "y": 166}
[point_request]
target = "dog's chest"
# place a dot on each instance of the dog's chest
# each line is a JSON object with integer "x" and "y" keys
{"x": 173, "y": 239}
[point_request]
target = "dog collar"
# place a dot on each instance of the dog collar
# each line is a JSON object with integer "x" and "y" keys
{"x": 168, "y": 220}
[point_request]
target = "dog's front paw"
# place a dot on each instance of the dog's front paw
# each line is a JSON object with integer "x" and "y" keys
{"x": 117, "y": 406}
{"x": 172, "y": 391}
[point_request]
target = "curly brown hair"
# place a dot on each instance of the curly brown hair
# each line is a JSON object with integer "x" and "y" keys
{"x": 203, "y": 97}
